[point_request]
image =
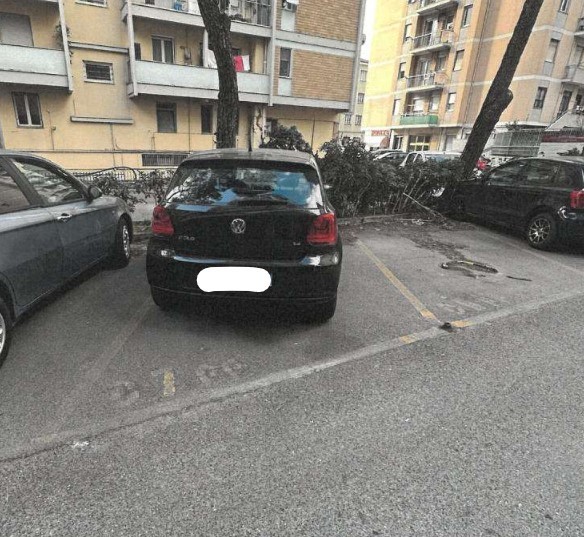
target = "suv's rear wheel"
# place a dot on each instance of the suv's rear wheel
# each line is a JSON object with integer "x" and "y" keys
{"x": 542, "y": 231}
{"x": 5, "y": 330}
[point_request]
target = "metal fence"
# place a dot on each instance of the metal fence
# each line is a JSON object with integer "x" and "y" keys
{"x": 123, "y": 174}
{"x": 517, "y": 143}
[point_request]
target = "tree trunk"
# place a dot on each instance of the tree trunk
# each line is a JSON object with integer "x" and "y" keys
{"x": 500, "y": 96}
{"x": 218, "y": 26}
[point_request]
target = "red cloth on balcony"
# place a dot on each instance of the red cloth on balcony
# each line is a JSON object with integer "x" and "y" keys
{"x": 238, "y": 63}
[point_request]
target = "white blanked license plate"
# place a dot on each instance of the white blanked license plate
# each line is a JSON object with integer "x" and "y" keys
{"x": 248, "y": 279}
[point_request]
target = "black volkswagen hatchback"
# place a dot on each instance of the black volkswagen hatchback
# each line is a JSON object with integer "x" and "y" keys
{"x": 240, "y": 225}
{"x": 541, "y": 197}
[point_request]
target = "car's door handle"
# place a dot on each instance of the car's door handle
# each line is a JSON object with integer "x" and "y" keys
{"x": 65, "y": 217}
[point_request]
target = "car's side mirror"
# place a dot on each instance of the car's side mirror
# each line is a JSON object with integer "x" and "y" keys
{"x": 94, "y": 193}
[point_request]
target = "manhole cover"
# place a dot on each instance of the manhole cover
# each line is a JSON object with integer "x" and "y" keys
{"x": 469, "y": 265}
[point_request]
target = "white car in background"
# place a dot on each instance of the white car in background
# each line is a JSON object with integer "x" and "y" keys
{"x": 424, "y": 156}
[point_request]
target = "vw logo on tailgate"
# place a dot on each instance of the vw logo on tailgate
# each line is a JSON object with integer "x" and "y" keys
{"x": 238, "y": 226}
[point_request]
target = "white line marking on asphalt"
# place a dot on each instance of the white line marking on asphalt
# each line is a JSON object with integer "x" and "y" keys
{"x": 195, "y": 398}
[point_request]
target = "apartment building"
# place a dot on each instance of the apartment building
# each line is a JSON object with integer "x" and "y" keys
{"x": 351, "y": 123}
{"x": 93, "y": 84}
{"x": 432, "y": 63}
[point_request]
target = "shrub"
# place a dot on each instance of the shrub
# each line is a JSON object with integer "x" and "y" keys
{"x": 286, "y": 138}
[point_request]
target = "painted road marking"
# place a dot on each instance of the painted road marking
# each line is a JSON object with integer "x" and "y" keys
{"x": 396, "y": 282}
{"x": 169, "y": 388}
{"x": 196, "y": 398}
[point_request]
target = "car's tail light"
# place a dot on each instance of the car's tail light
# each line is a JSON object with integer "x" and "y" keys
{"x": 577, "y": 199}
{"x": 323, "y": 230}
{"x": 161, "y": 222}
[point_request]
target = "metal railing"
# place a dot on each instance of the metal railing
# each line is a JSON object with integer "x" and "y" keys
{"x": 426, "y": 80}
{"x": 427, "y": 3}
{"x": 443, "y": 37}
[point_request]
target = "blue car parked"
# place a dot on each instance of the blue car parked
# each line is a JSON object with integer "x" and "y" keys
{"x": 52, "y": 228}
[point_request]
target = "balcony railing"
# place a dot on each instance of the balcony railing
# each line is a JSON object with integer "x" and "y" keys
{"x": 418, "y": 117}
{"x": 428, "y": 80}
{"x": 439, "y": 39}
{"x": 156, "y": 78}
{"x": 574, "y": 74}
{"x": 33, "y": 66}
{"x": 250, "y": 11}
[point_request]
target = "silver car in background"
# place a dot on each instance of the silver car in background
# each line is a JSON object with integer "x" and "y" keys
{"x": 52, "y": 228}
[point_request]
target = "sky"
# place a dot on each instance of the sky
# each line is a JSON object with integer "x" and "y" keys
{"x": 369, "y": 17}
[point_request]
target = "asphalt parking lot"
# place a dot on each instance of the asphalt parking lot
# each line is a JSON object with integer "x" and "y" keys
{"x": 101, "y": 358}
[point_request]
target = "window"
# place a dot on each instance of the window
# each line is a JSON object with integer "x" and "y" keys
{"x": 458, "y": 60}
{"x": 15, "y": 29}
{"x": 396, "y": 107}
{"x": 401, "y": 72}
{"x": 99, "y": 72}
{"x": 51, "y": 186}
{"x": 466, "y": 15}
{"x": 138, "y": 51}
{"x": 358, "y": 120}
{"x": 285, "y": 62}
{"x": 11, "y": 197}
{"x": 434, "y": 102}
{"x": 540, "y": 173}
{"x": 348, "y": 118}
{"x": 419, "y": 143}
{"x": 290, "y": 6}
{"x": 163, "y": 159}
{"x": 162, "y": 50}
{"x": 28, "y": 109}
{"x": 552, "y": 51}
{"x": 360, "y": 98}
{"x": 207, "y": 119}
{"x": 363, "y": 75}
{"x": 507, "y": 173}
{"x": 564, "y": 6}
{"x": 451, "y": 102}
{"x": 270, "y": 126}
{"x": 441, "y": 62}
{"x": 540, "y": 98}
{"x": 407, "y": 30}
{"x": 569, "y": 177}
{"x": 449, "y": 142}
{"x": 166, "y": 117}
{"x": 398, "y": 142}
{"x": 565, "y": 102}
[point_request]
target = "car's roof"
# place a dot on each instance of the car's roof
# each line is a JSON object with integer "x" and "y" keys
{"x": 14, "y": 153}
{"x": 568, "y": 159}
{"x": 260, "y": 155}
{"x": 438, "y": 152}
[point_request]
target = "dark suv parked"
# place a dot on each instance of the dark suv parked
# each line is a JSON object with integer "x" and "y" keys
{"x": 247, "y": 224}
{"x": 542, "y": 197}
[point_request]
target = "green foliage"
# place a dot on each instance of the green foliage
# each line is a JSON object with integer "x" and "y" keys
{"x": 286, "y": 138}
{"x": 363, "y": 186}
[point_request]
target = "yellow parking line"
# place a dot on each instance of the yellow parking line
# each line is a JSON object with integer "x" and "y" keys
{"x": 462, "y": 324}
{"x": 169, "y": 388}
{"x": 408, "y": 340}
{"x": 412, "y": 299}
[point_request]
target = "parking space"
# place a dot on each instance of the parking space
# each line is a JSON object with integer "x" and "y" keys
{"x": 102, "y": 353}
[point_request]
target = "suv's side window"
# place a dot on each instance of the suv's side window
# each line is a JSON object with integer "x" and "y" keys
{"x": 541, "y": 173}
{"x": 51, "y": 186}
{"x": 11, "y": 197}
{"x": 507, "y": 174}
{"x": 569, "y": 177}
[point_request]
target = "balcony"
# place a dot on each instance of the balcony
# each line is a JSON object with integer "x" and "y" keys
{"x": 172, "y": 80}
{"x": 574, "y": 74}
{"x": 432, "y": 42}
{"x": 426, "y": 7}
{"x": 250, "y": 17}
{"x": 426, "y": 82}
{"x": 33, "y": 66}
{"x": 419, "y": 119}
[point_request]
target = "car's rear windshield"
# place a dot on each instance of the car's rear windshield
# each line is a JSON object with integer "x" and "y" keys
{"x": 245, "y": 183}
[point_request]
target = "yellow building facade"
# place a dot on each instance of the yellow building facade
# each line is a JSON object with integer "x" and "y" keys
{"x": 351, "y": 123}
{"x": 93, "y": 84}
{"x": 432, "y": 63}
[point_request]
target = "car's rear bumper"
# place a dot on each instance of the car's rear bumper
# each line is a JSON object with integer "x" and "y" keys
{"x": 311, "y": 279}
{"x": 572, "y": 226}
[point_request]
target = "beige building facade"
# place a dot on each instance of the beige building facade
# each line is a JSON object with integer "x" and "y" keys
{"x": 351, "y": 122}
{"x": 432, "y": 63}
{"x": 93, "y": 84}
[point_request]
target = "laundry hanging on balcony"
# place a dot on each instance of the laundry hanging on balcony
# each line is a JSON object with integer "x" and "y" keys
{"x": 241, "y": 63}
